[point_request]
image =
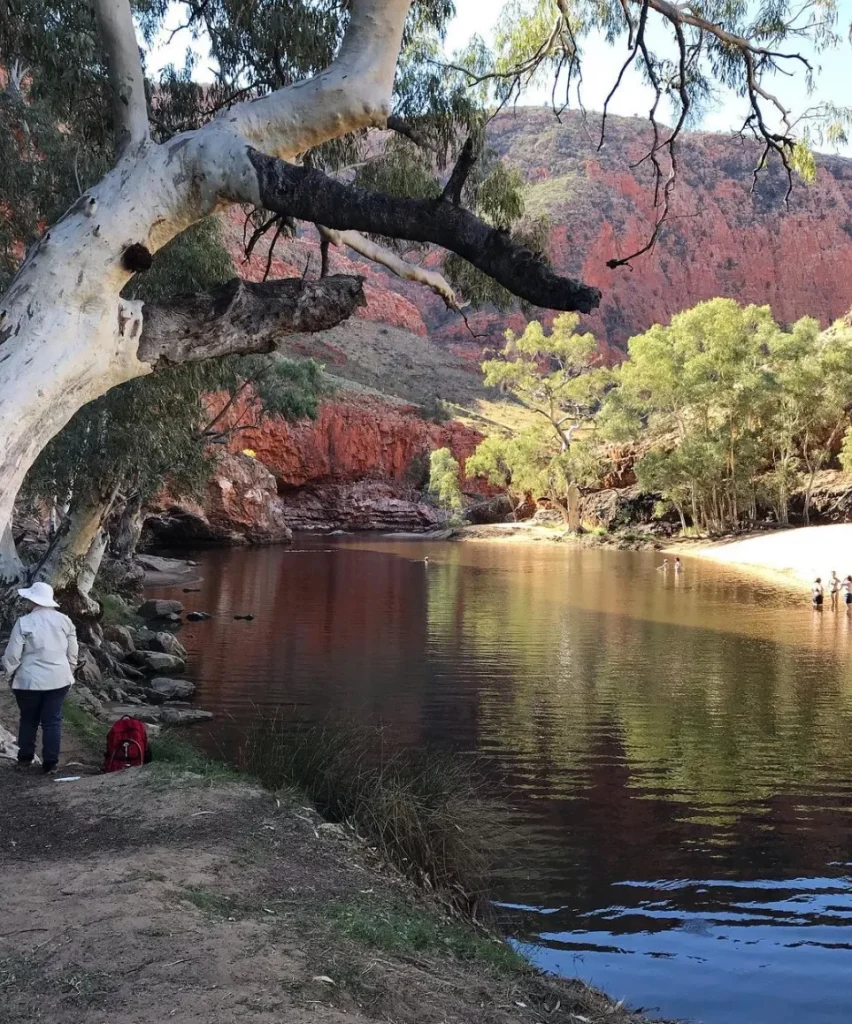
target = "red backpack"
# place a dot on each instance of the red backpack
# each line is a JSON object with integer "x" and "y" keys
{"x": 127, "y": 745}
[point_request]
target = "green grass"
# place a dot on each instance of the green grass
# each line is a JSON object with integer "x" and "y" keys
{"x": 172, "y": 755}
{"x": 542, "y": 198}
{"x": 90, "y": 731}
{"x": 402, "y": 928}
{"x": 175, "y": 756}
{"x": 213, "y": 904}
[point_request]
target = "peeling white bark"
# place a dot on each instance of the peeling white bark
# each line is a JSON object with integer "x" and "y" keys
{"x": 354, "y": 92}
{"x": 11, "y": 567}
{"x": 91, "y": 564}
{"x": 77, "y": 538}
{"x": 65, "y": 336}
{"x": 391, "y": 261}
{"x": 129, "y": 109}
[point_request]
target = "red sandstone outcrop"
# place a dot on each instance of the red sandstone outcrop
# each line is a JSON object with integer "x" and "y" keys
{"x": 355, "y": 436}
{"x": 240, "y": 505}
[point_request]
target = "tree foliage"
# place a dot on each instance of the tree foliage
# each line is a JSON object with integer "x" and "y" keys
{"x": 730, "y": 413}
{"x": 738, "y": 411}
{"x": 444, "y": 480}
{"x": 554, "y": 377}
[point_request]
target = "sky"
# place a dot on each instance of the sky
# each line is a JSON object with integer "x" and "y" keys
{"x": 600, "y": 68}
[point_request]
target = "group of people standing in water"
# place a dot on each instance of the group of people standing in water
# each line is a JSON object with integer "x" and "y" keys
{"x": 836, "y": 587}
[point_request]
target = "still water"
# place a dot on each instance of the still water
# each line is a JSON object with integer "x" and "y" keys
{"x": 677, "y": 750}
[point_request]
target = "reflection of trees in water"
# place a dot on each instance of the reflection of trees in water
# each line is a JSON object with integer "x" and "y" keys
{"x": 703, "y": 718}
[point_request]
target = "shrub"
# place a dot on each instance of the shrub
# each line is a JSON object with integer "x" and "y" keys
{"x": 115, "y": 611}
{"x": 423, "y": 809}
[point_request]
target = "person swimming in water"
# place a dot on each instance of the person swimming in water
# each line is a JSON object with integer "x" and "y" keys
{"x": 817, "y": 593}
{"x": 834, "y": 588}
{"x": 678, "y": 567}
{"x": 846, "y": 587}
{"x": 664, "y": 567}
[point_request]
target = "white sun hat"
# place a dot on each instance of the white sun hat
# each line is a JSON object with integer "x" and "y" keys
{"x": 40, "y": 594}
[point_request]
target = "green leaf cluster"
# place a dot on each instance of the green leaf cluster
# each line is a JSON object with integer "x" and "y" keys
{"x": 736, "y": 412}
{"x": 554, "y": 376}
{"x": 444, "y": 483}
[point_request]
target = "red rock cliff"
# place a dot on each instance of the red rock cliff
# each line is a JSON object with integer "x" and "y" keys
{"x": 362, "y": 464}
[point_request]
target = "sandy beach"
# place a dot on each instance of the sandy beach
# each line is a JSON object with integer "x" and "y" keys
{"x": 797, "y": 555}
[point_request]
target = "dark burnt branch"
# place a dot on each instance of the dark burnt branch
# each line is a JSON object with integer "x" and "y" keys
{"x": 410, "y": 132}
{"x": 633, "y": 44}
{"x": 310, "y": 195}
{"x": 461, "y": 172}
{"x": 282, "y": 221}
{"x": 256, "y": 235}
{"x": 707, "y": 36}
{"x": 242, "y": 318}
{"x": 670, "y": 144}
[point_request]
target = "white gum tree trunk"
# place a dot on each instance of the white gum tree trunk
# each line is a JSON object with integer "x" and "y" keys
{"x": 76, "y": 537}
{"x": 11, "y": 567}
{"x": 91, "y": 564}
{"x": 66, "y": 336}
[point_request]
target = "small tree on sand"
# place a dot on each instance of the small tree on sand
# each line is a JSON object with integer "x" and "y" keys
{"x": 554, "y": 377}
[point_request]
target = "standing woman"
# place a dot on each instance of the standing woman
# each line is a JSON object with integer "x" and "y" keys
{"x": 40, "y": 658}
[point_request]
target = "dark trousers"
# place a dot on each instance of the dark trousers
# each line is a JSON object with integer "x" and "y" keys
{"x": 40, "y": 708}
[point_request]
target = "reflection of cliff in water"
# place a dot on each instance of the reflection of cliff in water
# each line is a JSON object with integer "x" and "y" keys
{"x": 339, "y": 634}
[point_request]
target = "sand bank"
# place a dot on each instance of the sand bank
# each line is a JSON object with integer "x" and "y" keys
{"x": 796, "y": 555}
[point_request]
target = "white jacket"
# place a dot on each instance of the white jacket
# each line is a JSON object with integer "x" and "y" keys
{"x": 42, "y": 651}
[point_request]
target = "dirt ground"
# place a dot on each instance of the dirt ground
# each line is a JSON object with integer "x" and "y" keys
{"x": 156, "y": 895}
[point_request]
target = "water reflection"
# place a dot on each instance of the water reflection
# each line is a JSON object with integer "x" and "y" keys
{"x": 676, "y": 748}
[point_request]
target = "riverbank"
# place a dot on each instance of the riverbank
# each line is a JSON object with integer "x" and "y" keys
{"x": 531, "y": 531}
{"x": 795, "y": 556}
{"x": 238, "y": 903}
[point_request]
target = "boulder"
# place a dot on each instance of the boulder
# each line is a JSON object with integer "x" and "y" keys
{"x": 170, "y": 565}
{"x": 158, "y": 609}
{"x": 88, "y": 673}
{"x": 198, "y": 617}
{"x": 129, "y": 671}
{"x": 143, "y": 713}
{"x": 82, "y": 695}
{"x": 240, "y": 505}
{"x": 163, "y": 689}
{"x": 113, "y": 650}
{"x": 183, "y": 716}
{"x": 154, "y": 662}
{"x": 122, "y": 636}
{"x": 163, "y": 643}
